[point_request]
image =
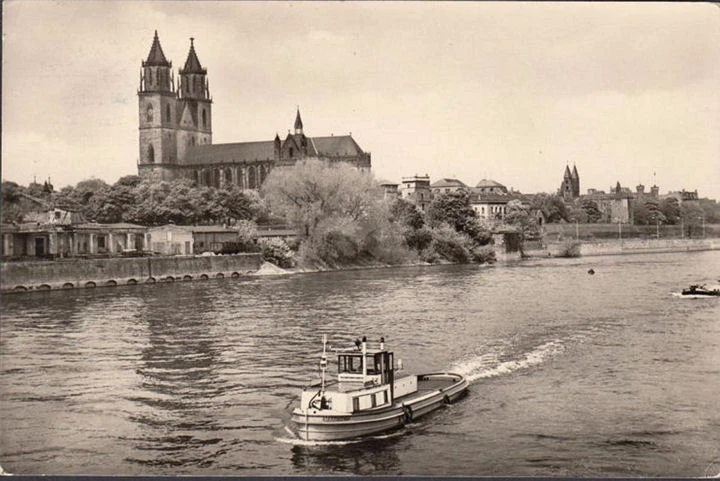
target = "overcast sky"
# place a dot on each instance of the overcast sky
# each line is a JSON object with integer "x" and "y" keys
{"x": 627, "y": 92}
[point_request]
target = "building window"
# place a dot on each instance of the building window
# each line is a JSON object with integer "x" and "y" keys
{"x": 252, "y": 179}
{"x": 151, "y": 154}
{"x": 204, "y": 119}
{"x": 149, "y": 113}
{"x": 167, "y": 113}
{"x": 291, "y": 151}
{"x": 101, "y": 242}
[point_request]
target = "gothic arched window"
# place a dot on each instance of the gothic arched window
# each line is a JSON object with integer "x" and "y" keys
{"x": 204, "y": 119}
{"x": 252, "y": 181}
{"x": 149, "y": 113}
{"x": 151, "y": 154}
{"x": 167, "y": 113}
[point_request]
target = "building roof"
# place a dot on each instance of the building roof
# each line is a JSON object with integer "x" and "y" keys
{"x": 212, "y": 229}
{"x": 387, "y": 182}
{"x": 335, "y": 145}
{"x": 192, "y": 64}
{"x": 342, "y": 145}
{"x": 445, "y": 182}
{"x": 489, "y": 183}
{"x": 156, "y": 56}
{"x": 235, "y": 152}
{"x": 487, "y": 198}
{"x": 114, "y": 226}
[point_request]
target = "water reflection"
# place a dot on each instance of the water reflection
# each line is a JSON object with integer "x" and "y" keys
{"x": 178, "y": 376}
{"x": 374, "y": 456}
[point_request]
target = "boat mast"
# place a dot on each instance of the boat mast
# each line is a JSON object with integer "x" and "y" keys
{"x": 323, "y": 366}
{"x": 364, "y": 358}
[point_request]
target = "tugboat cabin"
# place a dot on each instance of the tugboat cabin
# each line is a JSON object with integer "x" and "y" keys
{"x": 366, "y": 380}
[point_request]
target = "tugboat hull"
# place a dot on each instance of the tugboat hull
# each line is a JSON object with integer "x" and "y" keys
{"x": 434, "y": 391}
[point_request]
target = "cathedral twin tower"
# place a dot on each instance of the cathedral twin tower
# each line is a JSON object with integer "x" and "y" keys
{"x": 176, "y": 132}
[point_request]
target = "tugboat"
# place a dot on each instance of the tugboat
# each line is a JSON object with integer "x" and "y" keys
{"x": 370, "y": 395}
{"x": 701, "y": 291}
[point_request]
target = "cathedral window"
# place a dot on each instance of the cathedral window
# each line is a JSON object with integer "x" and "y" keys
{"x": 149, "y": 113}
{"x": 204, "y": 119}
{"x": 291, "y": 151}
{"x": 151, "y": 154}
{"x": 167, "y": 113}
{"x": 252, "y": 181}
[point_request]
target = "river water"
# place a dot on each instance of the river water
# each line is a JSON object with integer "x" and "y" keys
{"x": 571, "y": 374}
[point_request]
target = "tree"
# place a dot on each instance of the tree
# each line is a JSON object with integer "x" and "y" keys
{"x": 522, "y": 218}
{"x": 577, "y": 214}
{"x": 406, "y": 213}
{"x": 313, "y": 191}
{"x": 670, "y": 207}
{"x": 692, "y": 218}
{"x": 454, "y": 209}
{"x": 552, "y": 207}
{"x": 591, "y": 210}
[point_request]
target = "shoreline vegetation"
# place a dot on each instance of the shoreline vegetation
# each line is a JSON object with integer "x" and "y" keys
{"x": 30, "y": 277}
{"x": 342, "y": 219}
{"x": 572, "y": 249}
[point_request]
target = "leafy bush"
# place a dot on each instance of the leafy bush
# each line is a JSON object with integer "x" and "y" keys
{"x": 483, "y": 254}
{"x": 419, "y": 239}
{"x": 450, "y": 245}
{"x": 277, "y": 251}
{"x": 570, "y": 249}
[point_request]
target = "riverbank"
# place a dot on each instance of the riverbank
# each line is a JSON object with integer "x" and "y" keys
{"x": 624, "y": 247}
{"x": 91, "y": 273}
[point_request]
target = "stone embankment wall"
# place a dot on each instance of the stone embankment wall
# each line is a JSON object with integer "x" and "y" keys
{"x": 68, "y": 274}
{"x": 630, "y": 246}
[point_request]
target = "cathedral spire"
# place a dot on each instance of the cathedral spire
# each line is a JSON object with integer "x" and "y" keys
{"x": 192, "y": 64}
{"x": 298, "y": 122}
{"x": 156, "y": 56}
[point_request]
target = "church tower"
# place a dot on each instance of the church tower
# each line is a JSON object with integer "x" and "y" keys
{"x": 157, "y": 105}
{"x": 194, "y": 105}
{"x": 575, "y": 177}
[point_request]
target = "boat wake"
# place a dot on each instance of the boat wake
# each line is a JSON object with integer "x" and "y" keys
{"x": 295, "y": 441}
{"x": 490, "y": 365}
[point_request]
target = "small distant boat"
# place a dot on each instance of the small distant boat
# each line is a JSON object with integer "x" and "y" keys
{"x": 702, "y": 291}
{"x": 370, "y": 395}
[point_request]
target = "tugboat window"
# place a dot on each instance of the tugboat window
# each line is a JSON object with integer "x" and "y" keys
{"x": 351, "y": 364}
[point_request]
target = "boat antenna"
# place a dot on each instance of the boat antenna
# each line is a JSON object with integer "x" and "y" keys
{"x": 323, "y": 365}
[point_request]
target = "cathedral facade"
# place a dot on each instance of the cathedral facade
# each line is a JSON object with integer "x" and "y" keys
{"x": 570, "y": 186}
{"x": 175, "y": 124}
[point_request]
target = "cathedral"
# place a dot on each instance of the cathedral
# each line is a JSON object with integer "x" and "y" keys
{"x": 176, "y": 132}
{"x": 570, "y": 187}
